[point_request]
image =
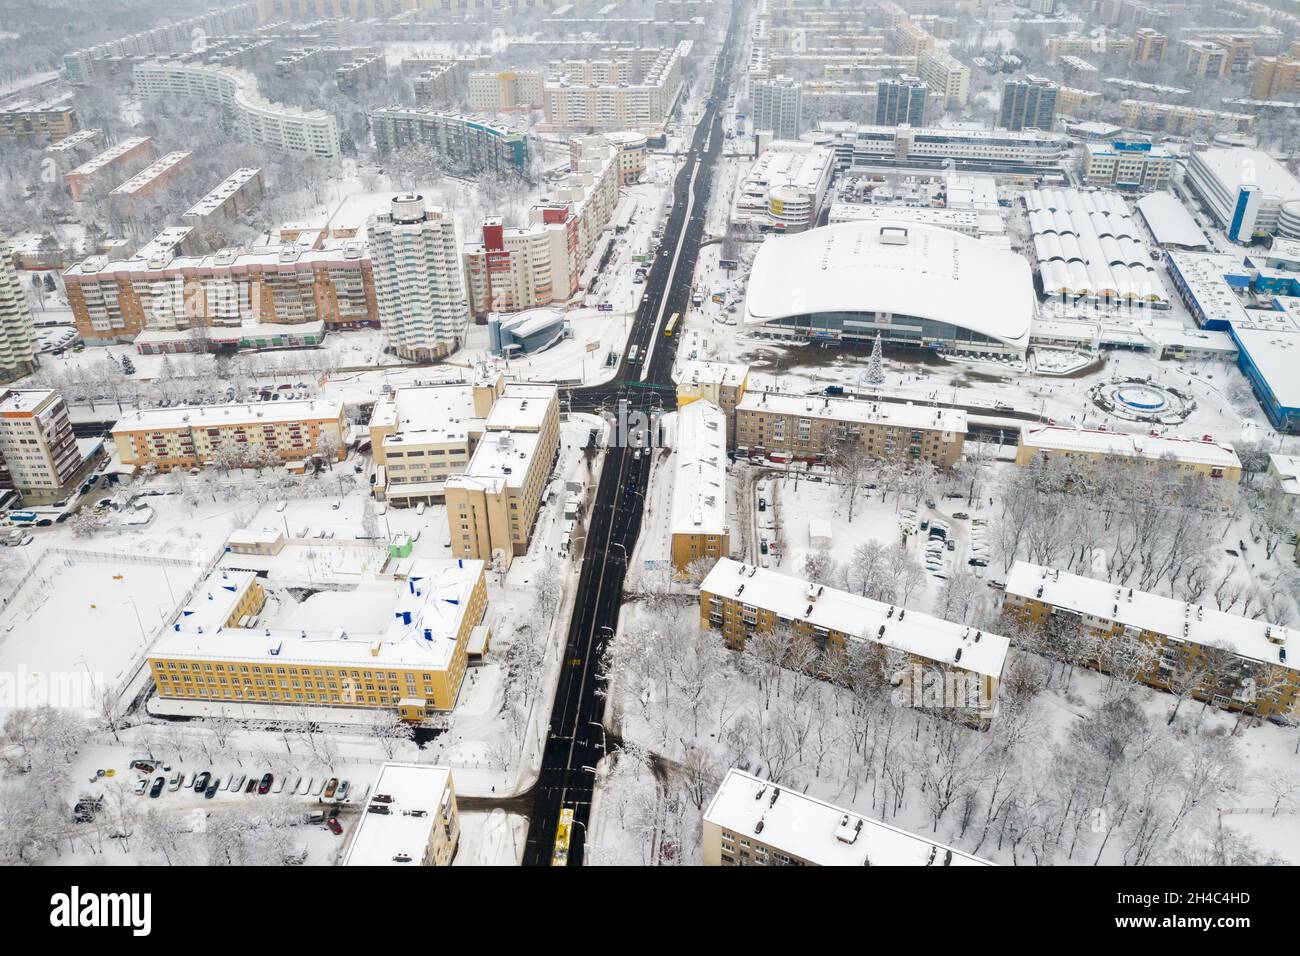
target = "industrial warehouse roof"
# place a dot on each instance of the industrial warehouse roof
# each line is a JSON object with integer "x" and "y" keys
{"x": 1198, "y": 623}
{"x": 700, "y": 479}
{"x": 1086, "y": 244}
{"x": 819, "y": 832}
{"x": 910, "y": 632}
{"x": 901, "y": 268}
{"x": 1170, "y": 222}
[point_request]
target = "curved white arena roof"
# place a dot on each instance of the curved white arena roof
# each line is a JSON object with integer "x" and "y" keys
{"x": 933, "y": 273}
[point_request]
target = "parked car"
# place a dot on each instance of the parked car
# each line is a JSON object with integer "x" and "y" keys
{"x": 201, "y": 781}
{"x": 335, "y": 827}
{"x": 330, "y": 787}
{"x": 212, "y": 788}
{"x": 342, "y": 792}
{"x": 141, "y": 785}
{"x": 156, "y": 790}
{"x": 265, "y": 786}
{"x": 237, "y": 782}
{"x": 175, "y": 783}
{"x": 960, "y": 515}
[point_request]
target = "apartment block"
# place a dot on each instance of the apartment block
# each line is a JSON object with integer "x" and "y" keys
{"x": 946, "y": 75}
{"x": 421, "y": 435}
{"x": 256, "y": 119}
{"x": 1277, "y": 77}
{"x": 123, "y": 155}
{"x": 506, "y": 90}
{"x": 754, "y": 822}
{"x": 1205, "y": 59}
{"x": 933, "y": 664}
{"x": 697, "y": 523}
{"x": 18, "y": 347}
{"x": 1028, "y": 103}
{"x": 811, "y": 427}
{"x": 721, "y": 383}
{"x": 900, "y": 101}
{"x": 38, "y": 450}
{"x": 153, "y": 178}
{"x": 1258, "y": 672}
{"x": 1148, "y": 45}
{"x": 635, "y": 88}
{"x": 466, "y": 143}
{"x": 1172, "y": 118}
{"x": 191, "y": 437}
{"x": 777, "y": 106}
{"x": 416, "y": 261}
{"x": 410, "y": 818}
{"x": 411, "y": 659}
{"x": 522, "y": 267}
{"x": 492, "y": 506}
{"x": 51, "y": 120}
{"x": 116, "y": 300}
{"x": 237, "y": 193}
{"x": 1189, "y": 455}
{"x": 1127, "y": 165}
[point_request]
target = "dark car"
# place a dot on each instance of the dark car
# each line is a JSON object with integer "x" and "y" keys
{"x": 250, "y": 786}
{"x": 335, "y": 827}
{"x": 201, "y": 781}
{"x": 156, "y": 790}
{"x": 211, "y": 789}
{"x": 44, "y": 522}
{"x": 265, "y": 785}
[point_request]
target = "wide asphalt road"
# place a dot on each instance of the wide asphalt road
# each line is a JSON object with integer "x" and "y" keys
{"x": 576, "y": 742}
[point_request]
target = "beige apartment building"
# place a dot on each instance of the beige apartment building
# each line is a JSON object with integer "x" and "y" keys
{"x": 411, "y": 818}
{"x": 411, "y": 659}
{"x": 1259, "y": 674}
{"x": 721, "y": 383}
{"x": 698, "y": 523}
{"x": 506, "y": 90}
{"x": 810, "y": 427}
{"x": 950, "y": 669}
{"x": 1190, "y": 455}
{"x": 754, "y": 822}
{"x": 191, "y": 437}
{"x": 38, "y": 451}
{"x": 492, "y": 506}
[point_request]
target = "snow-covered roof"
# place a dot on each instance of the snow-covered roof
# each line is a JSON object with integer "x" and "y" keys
{"x": 157, "y": 168}
{"x": 211, "y": 416}
{"x": 418, "y": 409}
{"x": 1235, "y": 168}
{"x": 1200, "y": 451}
{"x": 850, "y": 410}
{"x": 1201, "y": 624}
{"x": 1276, "y": 356}
{"x": 860, "y": 618}
{"x": 246, "y": 537}
{"x": 419, "y": 797}
{"x": 420, "y": 631}
{"x": 1287, "y": 470}
{"x": 900, "y": 268}
{"x": 699, "y": 504}
{"x": 820, "y": 833}
{"x": 1203, "y": 276}
{"x": 1170, "y": 222}
{"x": 215, "y": 600}
{"x": 697, "y": 372}
{"x": 522, "y": 407}
{"x": 501, "y": 456}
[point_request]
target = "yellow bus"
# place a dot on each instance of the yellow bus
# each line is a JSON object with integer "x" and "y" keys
{"x": 672, "y": 323}
{"x": 563, "y": 832}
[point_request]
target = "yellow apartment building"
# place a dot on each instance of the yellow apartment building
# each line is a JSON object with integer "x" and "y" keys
{"x": 810, "y": 427}
{"x": 1190, "y": 455}
{"x": 1262, "y": 678}
{"x": 717, "y": 382}
{"x": 698, "y": 519}
{"x": 948, "y": 668}
{"x": 188, "y": 437}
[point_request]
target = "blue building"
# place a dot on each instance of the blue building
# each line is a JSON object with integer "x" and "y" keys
{"x": 525, "y": 333}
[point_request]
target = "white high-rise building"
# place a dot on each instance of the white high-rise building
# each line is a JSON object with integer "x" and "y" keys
{"x": 17, "y": 336}
{"x": 778, "y": 106}
{"x": 417, "y": 273}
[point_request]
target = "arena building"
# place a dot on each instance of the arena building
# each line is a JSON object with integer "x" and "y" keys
{"x": 916, "y": 285}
